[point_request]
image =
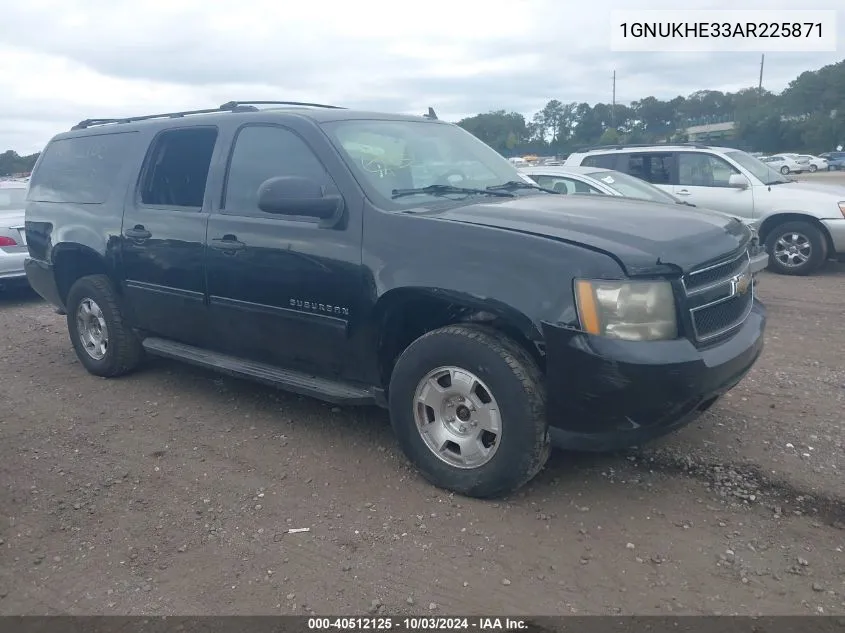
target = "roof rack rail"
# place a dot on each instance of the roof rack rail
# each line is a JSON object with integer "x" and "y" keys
{"x": 164, "y": 115}
{"x": 627, "y": 145}
{"x": 231, "y": 106}
{"x": 234, "y": 104}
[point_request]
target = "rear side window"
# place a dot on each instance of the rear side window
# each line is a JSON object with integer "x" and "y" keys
{"x": 605, "y": 161}
{"x": 651, "y": 167}
{"x": 80, "y": 170}
{"x": 176, "y": 169}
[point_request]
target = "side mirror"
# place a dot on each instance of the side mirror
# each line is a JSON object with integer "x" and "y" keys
{"x": 294, "y": 195}
{"x": 738, "y": 181}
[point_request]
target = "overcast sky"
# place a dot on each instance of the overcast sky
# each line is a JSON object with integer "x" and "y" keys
{"x": 66, "y": 60}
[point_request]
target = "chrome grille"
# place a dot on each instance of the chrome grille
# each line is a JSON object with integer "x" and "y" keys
{"x": 719, "y": 297}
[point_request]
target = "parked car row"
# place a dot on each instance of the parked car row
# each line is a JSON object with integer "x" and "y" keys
{"x": 802, "y": 224}
{"x": 835, "y": 160}
{"x": 787, "y": 163}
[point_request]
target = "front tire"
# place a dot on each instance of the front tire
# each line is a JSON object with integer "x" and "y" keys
{"x": 467, "y": 405}
{"x": 796, "y": 248}
{"x": 105, "y": 345}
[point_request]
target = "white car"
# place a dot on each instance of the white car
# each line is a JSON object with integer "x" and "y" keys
{"x": 802, "y": 224}
{"x": 814, "y": 163}
{"x": 786, "y": 164}
{"x": 13, "y": 250}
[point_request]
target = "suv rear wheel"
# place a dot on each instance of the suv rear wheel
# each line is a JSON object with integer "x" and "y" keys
{"x": 104, "y": 344}
{"x": 468, "y": 408}
{"x": 784, "y": 170}
{"x": 795, "y": 248}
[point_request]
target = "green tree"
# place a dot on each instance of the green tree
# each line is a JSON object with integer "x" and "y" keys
{"x": 609, "y": 137}
{"x": 11, "y": 163}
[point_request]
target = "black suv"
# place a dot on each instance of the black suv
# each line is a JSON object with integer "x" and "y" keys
{"x": 366, "y": 258}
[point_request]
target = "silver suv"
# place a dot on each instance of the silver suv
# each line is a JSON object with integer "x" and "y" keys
{"x": 802, "y": 224}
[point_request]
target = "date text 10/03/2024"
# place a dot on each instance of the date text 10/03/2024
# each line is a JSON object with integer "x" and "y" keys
{"x": 421, "y": 623}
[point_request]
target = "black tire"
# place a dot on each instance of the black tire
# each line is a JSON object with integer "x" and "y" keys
{"x": 813, "y": 169}
{"x": 818, "y": 248}
{"x": 516, "y": 383}
{"x": 123, "y": 352}
{"x": 784, "y": 170}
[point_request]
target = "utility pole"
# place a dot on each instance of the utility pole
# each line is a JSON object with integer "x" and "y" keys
{"x": 613, "y": 103}
{"x": 760, "y": 82}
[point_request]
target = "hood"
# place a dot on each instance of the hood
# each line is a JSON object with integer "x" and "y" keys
{"x": 644, "y": 237}
{"x": 820, "y": 199}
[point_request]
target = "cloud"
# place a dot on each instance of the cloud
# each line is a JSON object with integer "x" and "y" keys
{"x": 73, "y": 59}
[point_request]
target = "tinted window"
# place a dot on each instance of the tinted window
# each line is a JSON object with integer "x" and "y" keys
{"x": 262, "y": 152}
{"x": 704, "y": 170}
{"x": 177, "y": 166}
{"x": 652, "y": 167}
{"x": 80, "y": 170}
{"x": 562, "y": 184}
{"x": 605, "y": 161}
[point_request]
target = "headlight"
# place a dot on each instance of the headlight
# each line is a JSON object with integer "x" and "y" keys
{"x": 628, "y": 310}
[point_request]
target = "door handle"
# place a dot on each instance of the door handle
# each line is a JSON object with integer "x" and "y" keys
{"x": 683, "y": 192}
{"x": 138, "y": 232}
{"x": 228, "y": 243}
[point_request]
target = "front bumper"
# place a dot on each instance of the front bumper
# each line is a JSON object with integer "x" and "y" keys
{"x": 606, "y": 394}
{"x": 759, "y": 260}
{"x": 836, "y": 228}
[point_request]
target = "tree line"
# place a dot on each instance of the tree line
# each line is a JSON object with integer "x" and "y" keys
{"x": 808, "y": 116}
{"x": 11, "y": 163}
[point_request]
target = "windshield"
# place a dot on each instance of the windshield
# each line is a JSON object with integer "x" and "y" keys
{"x": 12, "y": 198}
{"x": 401, "y": 155}
{"x": 632, "y": 187}
{"x": 760, "y": 170}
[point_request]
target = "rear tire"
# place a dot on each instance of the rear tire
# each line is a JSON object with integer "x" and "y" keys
{"x": 784, "y": 170}
{"x": 497, "y": 442}
{"x": 813, "y": 169}
{"x": 796, "y": 248}
{"x": 105, "y": 345}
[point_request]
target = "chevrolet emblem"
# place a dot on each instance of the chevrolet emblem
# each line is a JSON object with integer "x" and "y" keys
{"x": 741, "y": 283}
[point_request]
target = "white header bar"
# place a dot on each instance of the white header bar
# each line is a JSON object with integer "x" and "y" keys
{"x": 758, "y": 31}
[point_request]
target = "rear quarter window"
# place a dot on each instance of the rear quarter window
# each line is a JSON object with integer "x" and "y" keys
{"x": 604, "y": 161}
{"x": 80, "y": 170}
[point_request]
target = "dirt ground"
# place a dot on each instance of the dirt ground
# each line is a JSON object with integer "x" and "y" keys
{"x": 171, "y": 492}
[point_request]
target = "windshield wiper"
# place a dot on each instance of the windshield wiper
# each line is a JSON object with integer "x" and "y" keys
{"x": 443, "y": 190}
{"x": 520, "y": 184}
{"x": 777, "y": 182}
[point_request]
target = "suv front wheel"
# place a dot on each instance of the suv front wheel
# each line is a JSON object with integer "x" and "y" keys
{"x": 468, "y": 408}
{"x": 795, "y": 248}
{"x": 104, "y": 344}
